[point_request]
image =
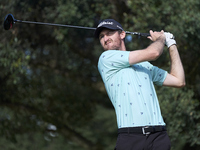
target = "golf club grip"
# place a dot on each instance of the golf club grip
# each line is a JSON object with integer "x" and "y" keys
{"x": 137, "y": 33}
{"x": 144, "y": 34}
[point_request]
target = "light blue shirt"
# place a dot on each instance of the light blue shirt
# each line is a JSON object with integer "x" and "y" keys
{"x": 131, "y": 89}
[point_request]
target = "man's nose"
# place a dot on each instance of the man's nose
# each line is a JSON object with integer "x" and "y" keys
{"x": 105, "y": 37}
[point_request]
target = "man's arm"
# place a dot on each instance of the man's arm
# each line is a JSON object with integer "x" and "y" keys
{"x": 176, "y": 77}
{"x": 152, "y": 52}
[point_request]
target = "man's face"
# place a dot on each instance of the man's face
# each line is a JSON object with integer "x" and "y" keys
{"x": 110, "y": 39}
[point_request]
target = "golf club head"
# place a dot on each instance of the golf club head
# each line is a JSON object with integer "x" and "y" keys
{"x": 8, "y": 22}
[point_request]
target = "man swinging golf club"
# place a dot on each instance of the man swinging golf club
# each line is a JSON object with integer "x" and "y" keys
{"x": 129, "y": 79}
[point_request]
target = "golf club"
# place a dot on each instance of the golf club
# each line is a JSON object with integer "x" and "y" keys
{"x": 9, "y": 21}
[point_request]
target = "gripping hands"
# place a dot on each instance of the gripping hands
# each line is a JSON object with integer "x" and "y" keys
{"x": 169, "y": 39}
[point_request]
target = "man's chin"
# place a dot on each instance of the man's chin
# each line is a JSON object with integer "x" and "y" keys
{"x": 110, "y": 48}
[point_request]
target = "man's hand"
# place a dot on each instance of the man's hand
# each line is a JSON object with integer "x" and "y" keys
{"x": 156, "y": 35}
{"x": 169, "y": 39}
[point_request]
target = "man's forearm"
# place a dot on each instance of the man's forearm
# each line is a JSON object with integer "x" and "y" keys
{"x": 158, "y": 45}
{"x": 176, "y": 64}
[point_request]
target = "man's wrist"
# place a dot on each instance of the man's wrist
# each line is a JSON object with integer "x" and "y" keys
{"x": 162, "y": 39}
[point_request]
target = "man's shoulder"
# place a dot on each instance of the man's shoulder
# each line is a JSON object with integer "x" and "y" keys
{"x": 108, "y": 52}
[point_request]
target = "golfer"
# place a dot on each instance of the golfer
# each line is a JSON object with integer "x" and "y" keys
{"x": 129, "y": 80}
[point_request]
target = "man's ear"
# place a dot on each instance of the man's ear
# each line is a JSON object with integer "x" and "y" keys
{"x": 123, "y": 35}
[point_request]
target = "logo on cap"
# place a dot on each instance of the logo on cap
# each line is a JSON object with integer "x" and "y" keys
{"x": 104, "y": 23}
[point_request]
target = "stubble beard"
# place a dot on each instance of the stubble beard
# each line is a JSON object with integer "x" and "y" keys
{"x": 116, "y": 45}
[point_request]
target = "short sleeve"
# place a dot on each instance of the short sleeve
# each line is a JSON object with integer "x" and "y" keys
{"x": 158, "y": 75}
{"x": 112, "y": 61}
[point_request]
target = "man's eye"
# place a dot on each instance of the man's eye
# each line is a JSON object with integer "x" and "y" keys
{"x": 111, "y": 32}
{"x": 100, "y": 37}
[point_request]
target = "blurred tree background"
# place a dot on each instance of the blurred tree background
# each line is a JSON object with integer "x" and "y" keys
{"x": 51, "y": 94}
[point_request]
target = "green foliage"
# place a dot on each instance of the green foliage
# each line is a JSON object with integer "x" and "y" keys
{"x": 49, "y": 76}
{"x": 179, "y": 111}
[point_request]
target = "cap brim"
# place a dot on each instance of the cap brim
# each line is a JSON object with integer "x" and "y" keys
{"x": 98, "y": 30}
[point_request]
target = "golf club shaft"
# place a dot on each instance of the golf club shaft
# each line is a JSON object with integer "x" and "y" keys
{"x": 53, "y": 24}
{"x": 79, "y": 27}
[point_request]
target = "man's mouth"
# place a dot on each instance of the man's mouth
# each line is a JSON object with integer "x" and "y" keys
{"x": 108, "y": 42}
